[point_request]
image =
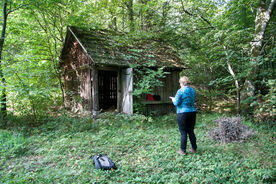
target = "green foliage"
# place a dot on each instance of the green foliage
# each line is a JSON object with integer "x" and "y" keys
{"x": 146, "y": 79}
{"x": 12, "y": 144}
{"x": 26, "y": 95}
{"x": 265, "y": 106}
{"x": 144, "y": 149}
{"x": 208, "y": 35}
{"x": 35, "y": 34}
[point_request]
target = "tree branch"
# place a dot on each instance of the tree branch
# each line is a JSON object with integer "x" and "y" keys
{"x": 264, "y": 45}
{"x": 19, "y": 7}
{"x": 194, "y": 15}
{"x": 199, "y": 29}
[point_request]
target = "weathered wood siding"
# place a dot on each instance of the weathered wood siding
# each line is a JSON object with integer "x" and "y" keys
{"x": 77, "y": 79}
{"x": 169, "y": 88}
{"x": 81, "y": 85}
{"x": 127, "y": 89}
{"x": 87, "y": 52}
{"x": 94, "y": 89}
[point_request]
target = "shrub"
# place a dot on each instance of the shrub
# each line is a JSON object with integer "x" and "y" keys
{"x": 265, "y": 106}
{"x": 230, "y": 129}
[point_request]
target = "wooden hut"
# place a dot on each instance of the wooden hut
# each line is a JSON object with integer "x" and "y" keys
{"x": 98, "y": 70}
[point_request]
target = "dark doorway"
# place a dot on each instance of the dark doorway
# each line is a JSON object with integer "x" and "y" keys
{"x": 107, "y": 90}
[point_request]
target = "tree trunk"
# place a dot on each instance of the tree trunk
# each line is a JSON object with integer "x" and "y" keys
{"x": 165, "y": 9}
{"x": 238, "y": 96}
{"x": 49, "y": 26}
{"x": 3, "y": 99}
{"x": 130, "y": 14}
{"x": 261, "y": 22}
{"x": 230, "y": 70}
{"x": 124, "y": 19}
{"x": 114, "y": 23}
{"x": 141, "y": 15}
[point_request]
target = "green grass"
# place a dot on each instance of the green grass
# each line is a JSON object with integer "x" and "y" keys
{"x": 143, "y": 148}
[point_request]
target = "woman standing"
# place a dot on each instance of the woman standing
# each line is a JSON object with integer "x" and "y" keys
{"x": 186, "y": 114}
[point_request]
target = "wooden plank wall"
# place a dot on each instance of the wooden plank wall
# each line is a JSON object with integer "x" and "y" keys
{"x": 81, "y": 85}
{"x": 169, "y": 88}
{"x": 160, "y": 109}
{"x": 94, "y": 90}
{"x": 77, "y": 79}
{"x": 85, "y": 89}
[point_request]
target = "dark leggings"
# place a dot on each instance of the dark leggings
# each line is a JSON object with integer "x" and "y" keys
{"x": 186, "y": 123}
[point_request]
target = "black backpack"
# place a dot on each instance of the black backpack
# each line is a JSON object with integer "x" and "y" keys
{"x": 103, "y": 162}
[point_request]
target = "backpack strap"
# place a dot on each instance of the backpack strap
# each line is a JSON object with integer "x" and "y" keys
{"x": 96, "y": 162}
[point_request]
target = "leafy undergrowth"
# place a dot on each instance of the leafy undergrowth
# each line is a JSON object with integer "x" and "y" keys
{"x": 143, "y": 148}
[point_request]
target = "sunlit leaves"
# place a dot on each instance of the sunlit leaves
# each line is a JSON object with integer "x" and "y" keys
{"x": 206, "y": 33}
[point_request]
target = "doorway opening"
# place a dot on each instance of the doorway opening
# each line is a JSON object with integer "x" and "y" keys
{"x": 107, "y": 86}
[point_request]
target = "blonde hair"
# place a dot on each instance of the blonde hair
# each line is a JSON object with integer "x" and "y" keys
{"x": 184, "y": 80}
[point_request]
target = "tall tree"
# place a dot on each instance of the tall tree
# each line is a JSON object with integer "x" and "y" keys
{"x": 130, "y": 14}
{"x": 264, "y": 12}
{"x": 51, "y": 20}
{"x": 3, "y": 99}
{"x": 7, "y": 9}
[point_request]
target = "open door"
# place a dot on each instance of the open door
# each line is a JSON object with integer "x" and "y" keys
{"x": 107, "y": 90}
{"x": 127, "y": 88}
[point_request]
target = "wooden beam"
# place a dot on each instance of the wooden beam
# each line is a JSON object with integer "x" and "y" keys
{"x": 119, "y": 91}
{"x": 95, "y": 97}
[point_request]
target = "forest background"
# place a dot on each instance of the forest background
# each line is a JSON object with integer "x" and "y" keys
{"x": 228, "y": 47}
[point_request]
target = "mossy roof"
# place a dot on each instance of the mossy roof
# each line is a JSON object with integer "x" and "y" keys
{"x": 112, "y": 48}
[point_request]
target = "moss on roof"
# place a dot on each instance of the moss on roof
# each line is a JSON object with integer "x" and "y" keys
{"x": 107, "y": 47}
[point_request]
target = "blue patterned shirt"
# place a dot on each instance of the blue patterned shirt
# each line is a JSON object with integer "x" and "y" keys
{"x": 185, "y": 100}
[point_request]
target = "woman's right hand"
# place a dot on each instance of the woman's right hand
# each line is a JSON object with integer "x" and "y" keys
{"x": 172, "y": 98}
